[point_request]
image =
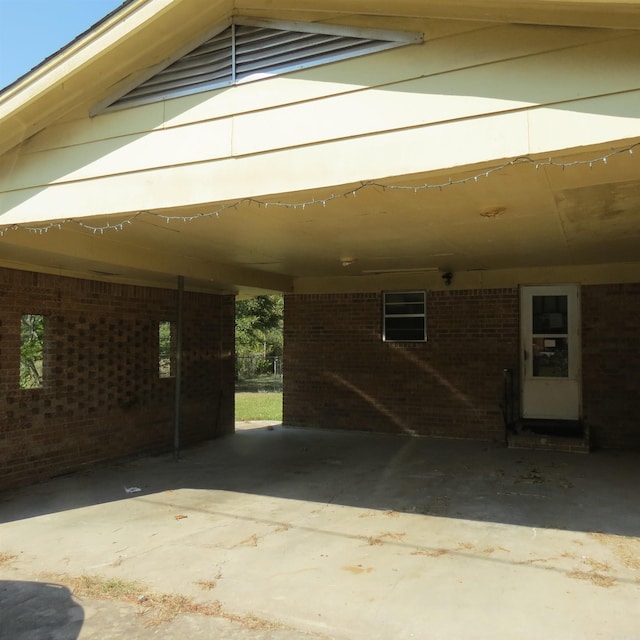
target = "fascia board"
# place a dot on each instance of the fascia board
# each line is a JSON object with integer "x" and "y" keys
{"x": 27, "y": 106}
{"x": 622, "y": 14}
{"x": 139, "y": 79}
{"x": 75, "y": 55}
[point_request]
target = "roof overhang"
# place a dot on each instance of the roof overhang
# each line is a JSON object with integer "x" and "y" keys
{"x": 492, "y": 225}
{"x": 542, "y": 223}
{"x": 137, "y": 36}
{"x": 140, "y": 33}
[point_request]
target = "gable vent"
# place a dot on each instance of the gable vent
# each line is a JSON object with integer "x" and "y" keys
{"x": 254, "y": 49}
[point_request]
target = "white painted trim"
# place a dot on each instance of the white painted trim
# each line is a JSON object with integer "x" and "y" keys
{"x": 147, "y": 74}
{"x": 385, "y": 39}
{"x": 407, "y": 37}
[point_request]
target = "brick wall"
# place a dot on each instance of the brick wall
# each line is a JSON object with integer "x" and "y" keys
{"x": 102, "y": 397}
{"x": 611, "y": 364}
{"x": 339, "y": 373}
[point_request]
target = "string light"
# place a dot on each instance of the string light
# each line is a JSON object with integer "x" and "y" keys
{"x": 485, "y": 173}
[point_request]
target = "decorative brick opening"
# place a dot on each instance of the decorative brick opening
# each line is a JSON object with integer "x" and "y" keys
{"x": 103, "y": 397}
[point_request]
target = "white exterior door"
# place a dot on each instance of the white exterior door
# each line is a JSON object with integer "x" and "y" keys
{"x": 550, "y": 328}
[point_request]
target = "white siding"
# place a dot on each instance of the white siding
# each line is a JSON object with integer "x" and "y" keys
{"x": 464, "y": 98}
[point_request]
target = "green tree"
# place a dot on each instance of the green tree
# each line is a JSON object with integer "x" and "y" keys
{"x": 259, "y": 330}
{"x": 31, "y": 350}
{"x": 166, "y": 349}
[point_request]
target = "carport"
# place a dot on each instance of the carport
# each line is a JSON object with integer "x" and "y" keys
{"x": 456, "y": 199}
{"x": 296, "y": 533}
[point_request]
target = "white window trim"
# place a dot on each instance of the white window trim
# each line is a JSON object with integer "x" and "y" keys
{"x": 422, "y": 315}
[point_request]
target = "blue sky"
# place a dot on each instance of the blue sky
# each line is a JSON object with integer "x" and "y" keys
{"x": 31, "y": 30}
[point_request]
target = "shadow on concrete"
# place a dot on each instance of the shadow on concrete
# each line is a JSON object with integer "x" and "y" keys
{"x": 447, "y": 478}
{"x": 38, "y": 611}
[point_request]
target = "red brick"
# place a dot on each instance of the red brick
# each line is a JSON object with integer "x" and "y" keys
{"x": 340, "y": 374}
{"x": 611, "y": 364}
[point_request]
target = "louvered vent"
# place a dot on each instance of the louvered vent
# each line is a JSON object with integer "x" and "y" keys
{"x": 250, "y": 51}
{"x": 261, "y": 51}
{"x": 208, "y": 66}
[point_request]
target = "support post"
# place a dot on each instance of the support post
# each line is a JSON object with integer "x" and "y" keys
{"x": 178, "y": 398}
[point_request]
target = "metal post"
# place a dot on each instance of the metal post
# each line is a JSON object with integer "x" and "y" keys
{"x": 177, "y": 410}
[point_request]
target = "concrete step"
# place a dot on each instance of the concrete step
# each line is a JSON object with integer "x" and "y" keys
{"x": 548, "y": 443}
{"x": 550, "y": 435}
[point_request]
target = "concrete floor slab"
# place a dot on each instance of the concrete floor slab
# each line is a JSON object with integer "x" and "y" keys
{"x": 282, "y": 533}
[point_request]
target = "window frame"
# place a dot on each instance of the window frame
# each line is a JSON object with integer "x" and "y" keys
{"x": 386, "y": 315}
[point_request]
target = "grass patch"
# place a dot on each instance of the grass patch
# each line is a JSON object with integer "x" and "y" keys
{"x": 102, "y": 588}
{"x": 258, "y": 406}
{"x": 267, "y": 382}
{"x": 155, "y": 608}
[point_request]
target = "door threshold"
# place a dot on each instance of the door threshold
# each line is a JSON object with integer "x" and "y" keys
{"x": 570, "y": 436}
{"x": 552, "y": 427}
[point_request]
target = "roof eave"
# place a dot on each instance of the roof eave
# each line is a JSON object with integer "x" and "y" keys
{"x": 138, "y": 33}
{"x": 141, "y": 33}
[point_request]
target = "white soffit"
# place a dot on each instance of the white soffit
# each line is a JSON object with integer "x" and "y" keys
{"x": 251, "y": 49}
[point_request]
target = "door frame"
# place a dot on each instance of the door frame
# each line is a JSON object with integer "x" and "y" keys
{"x": 551, "y": 398}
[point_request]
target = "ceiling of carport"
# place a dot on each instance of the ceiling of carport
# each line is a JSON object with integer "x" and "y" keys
{"x": 517, "y": 217}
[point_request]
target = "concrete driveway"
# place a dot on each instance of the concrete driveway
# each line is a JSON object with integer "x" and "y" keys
{"x": 280, "y": 533}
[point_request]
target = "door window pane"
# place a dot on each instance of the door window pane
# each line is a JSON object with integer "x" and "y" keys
{"x": 550, "y": 358}
{"x": 550, "y": 315}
